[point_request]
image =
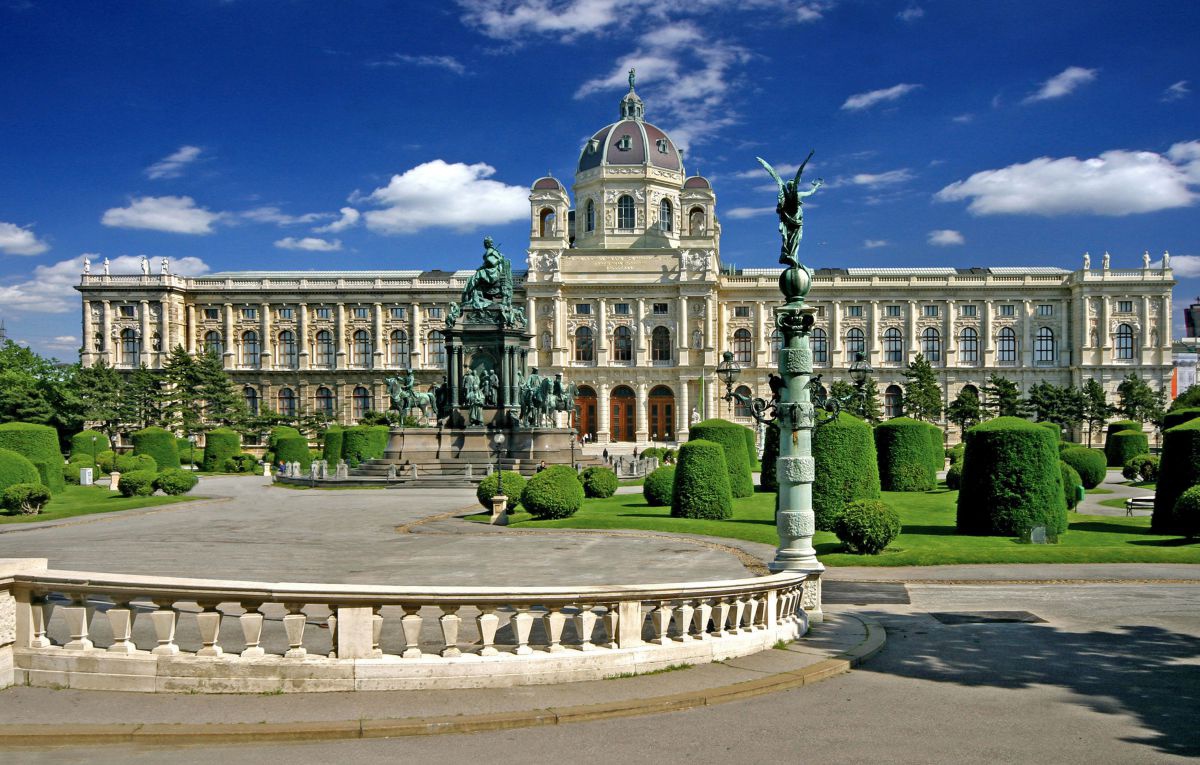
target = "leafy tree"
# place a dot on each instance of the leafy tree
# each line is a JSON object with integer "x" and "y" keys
{"x": 1189, "y": 398}
{"x": 100, "y": 389}
{"x": 38, "y": 390}
{"x": 1064, "y": 406}
{"x": 922, "y": 394}
{"x": 1096, "y": 409}
{"x": 1002, "y": 397}
{"x": 1138, "y": 401}
{"x": 966, "y": 409}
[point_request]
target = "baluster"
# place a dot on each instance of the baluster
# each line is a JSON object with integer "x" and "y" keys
{"x": 790, "y": 604}
{"x": 293, "y": 625}
{"x": 449, "y": 621}
{"x": 208, "y": 621}
{"x": 660, "y": 617}
{"x": 553, "y": 623}
{"x": 488, "y": 623}
{"x": 720, "y": 617}
{"x": 739, "y": 611}
{"x": 700, "y": 618}
{"x": 164, "y": 628}
{"x": 522, "y": 623}
{"x": 331, "y": 621}
{"x": 40, "y": 610}
{"x": 411, "y": 624}
{"x": 585, "y": 623}
{"x": 683, "y": 620}
{"x": 752, "y": 613}
{"x": 376, "y": 631}
{"x": 77, "y": 616}
{"x": 120, "y": 620}
{"x": 252, "y": 624}
{"x": 610, "y": 624}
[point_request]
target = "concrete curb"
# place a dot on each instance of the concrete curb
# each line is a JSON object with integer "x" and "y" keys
{"x": 66, "y": 734}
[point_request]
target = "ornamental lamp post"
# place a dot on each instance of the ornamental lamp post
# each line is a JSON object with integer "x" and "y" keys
{"x": 192, "y": 450}
{"x": 93, "y": 458}
{"x": 728, "y": 370}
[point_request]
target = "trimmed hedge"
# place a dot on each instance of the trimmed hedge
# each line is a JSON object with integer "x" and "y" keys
{"x": 954, "y": 476}
{"x": 25, "y": 498}
{"x": 659, "y": 486}
{"x": 1179, "y": 416}
{"x": 1178, "y": 471}
{"x": 845, "y": 450}
{"x": 278, "y": 432}
{"x": 955, "y": 453}
{"x": 159, "y": 444}
{"x": 39, "y": 444}
{"x": 751, "y": 438}
{"x": 1117, "y": 427}
{"x": 106, "y": 461}
{"x": 51, "y": 474}
{"x": 1143, "y": 467}
{"x": 1091, "y": 464}
{"x": 364, "y": 442}
{"x": 139, "y": 483}
{"x": 128, "y": 463}
{"x": 174, "y": 481}
{"x": 1187, "y": 513}
{"x": 902, "y": 445}
{"x": 16, "y": 468}
{"x": 1071, "y": 484}
{"x": 332, "y": 449}
{"x": 241, "y": 463}
{"x": 1125, "y": 444}
{"x": 737, "y": 461}
{"x": 1054, "y": 428}
{"x": 767, "y": 479}
{"x": 1011, "y": 480}
{"x": 81, "y": 443}
{"x": 188, "y": 453}
{"x": 293, "y": 449}
{"x": 937, "y": 448}
{"x": 220, "y": 445}
{"x": 867, "y": 526}
{"x": 702, "y": 481}
{"x": 553, "y": 493}
{"x": 599, "y": 482}
{"x": 511, "y": 481}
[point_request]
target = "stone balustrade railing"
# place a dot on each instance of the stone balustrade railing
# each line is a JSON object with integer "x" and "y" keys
{"x": 114, "y": 632}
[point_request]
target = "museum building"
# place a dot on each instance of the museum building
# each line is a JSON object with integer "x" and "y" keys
{"x": 627, "y": 296}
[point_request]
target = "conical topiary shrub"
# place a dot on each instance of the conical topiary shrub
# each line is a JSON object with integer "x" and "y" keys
{"x": 702, "y": 482}
{"x": 844, "y": 450}
{"x": 737, "y": 462}
{"x": 159, "y": 444}
{"x": 1178, "y": 471}
{"x": 903, "y": 448}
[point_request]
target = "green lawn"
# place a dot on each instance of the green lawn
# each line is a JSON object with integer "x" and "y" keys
{"x": 85, "y": 500}
{"x": 928, "y": 537}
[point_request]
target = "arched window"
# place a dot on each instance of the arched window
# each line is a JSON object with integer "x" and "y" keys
{"x": 968, "y": 388}
{"x": 820, "y": 346}
{"x": 251, "y": 396}
{"x": 931, "y": 344}
{"x": 622, "y": 344}
{"x": 739, "y": 407}
{"x": 362, "y": 402}
{"x": 625, "y": 216}
{"x": 584, "y": 348}
{"x": 776, "y": 344}
{"x": 590, "y": 216}
{"x": 325, "y": 400}
{"x": 1124, "y": 341}
{"x": 660, "y": 344}
{"x": 1006, "y": 346}
{"x": 856, "y": 342}
{"x": 893, "y": 345}
{"x": 131, "y": 347}
{"x": 665, "y": 215}
{"x": 287, "y": 402}
{"x": 436, "y": 349}
{"x": 1043, "y": 346}
{"x": 250, "y": 350}
{"x": 696, "y": 221}
{"x": 968, "y": 346}
{"x": 399, "y": 349}
{"x": 325, "y": 349}
{"x": 288, "y": 356}
{"x": 743, "y": 346}
{"x": 362, "y": 349}
{"x": 546, "y": 222}
{"x": 893, "y": 401}
{"x": 213, "y": 343}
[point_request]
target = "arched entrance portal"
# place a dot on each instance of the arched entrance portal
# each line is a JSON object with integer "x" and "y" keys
{"x": 621, "y": 405}
{"x": 662, "y": 414}
{"x": 585, "y": 405}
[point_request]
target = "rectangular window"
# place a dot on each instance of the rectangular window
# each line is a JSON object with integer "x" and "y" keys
{"x": 212, "y": 313}
{"x": 661, "y": 309}
{"x": 285, "y": 313}
{"x": 820, "y": 311}
{"x": 1045, "y": 310}
{"x": 127, "y": 311}
{"x": 930, "y": 311}
{"x": 435, "y": 312}
{"x": 583, "y": 309}
{"x": 399, "y": 312}
{"x": 1008, "y": 310}
{"x": 741, "y": 311}
{"x": 969, "y": 310}
{"x": 621, "y": 309}
{"x": 854, "y": 311}
{"x": 324, "y": 312}
{"x": 892, "y": 310}
{"x": 1124, "y": 306}
{"x": 362, "y": 313}
{"x": 249, "y": 313}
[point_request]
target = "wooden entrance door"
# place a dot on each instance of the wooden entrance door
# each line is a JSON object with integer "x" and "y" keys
{"x": 585, "y": 407}
{"x": 621, "y": 414}
{"x": 662, "y": 414}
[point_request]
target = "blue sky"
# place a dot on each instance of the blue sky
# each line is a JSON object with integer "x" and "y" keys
{"x": 267, "y": 135}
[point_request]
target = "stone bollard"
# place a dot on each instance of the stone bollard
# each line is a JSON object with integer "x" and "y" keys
{"x": 343, "y": 470}
{"x": 266, "y": 470}
{"x": 490, "y": 469}
{"x": 414, "y": 470}
{"x": 391, "y": 472}
{"x": 322, "y": 466}
{"x": 114, "y": 481}
{"x": 499, "y": 510}
{"x": 470, "y": 475}
{"x": 313, "y": 470}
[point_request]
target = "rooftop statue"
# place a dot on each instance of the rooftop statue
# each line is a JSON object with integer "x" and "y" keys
{"x": 489, "y": 288}
{"x": 789, "y": 208}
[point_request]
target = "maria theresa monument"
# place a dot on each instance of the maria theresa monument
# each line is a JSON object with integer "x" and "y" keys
{"x": 625, "y": 304}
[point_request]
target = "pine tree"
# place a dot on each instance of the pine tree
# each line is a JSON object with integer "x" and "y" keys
{"x": 100, "y": 389}
{"x": 182, "y": 409}
{"x": 1002, "y": 397}
{"x": 869, "y": 407}
{"x": 1137, "y": 400}
{"x": 966, "y": 409}
{"x": 221, "y": 403}
{"x": 922, "y": 394}
{"x": 1096, "y": 409}
{"x": 143, "y": 402}
{"x": 1064, "y": 406}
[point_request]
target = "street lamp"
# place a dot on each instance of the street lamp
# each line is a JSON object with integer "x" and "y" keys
{"x": 93, "y": 458}
{"x": 728, "y": 370}
{"x": 192, "y": 450}
{"x": 499, "y": 439}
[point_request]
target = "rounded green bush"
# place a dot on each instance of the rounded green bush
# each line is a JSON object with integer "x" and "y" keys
{"x": 1011, "y": 481}
{"x": 293, "y": 449}
{"x": 128, "y": 463}
{"x": 174, "y": 481}
{"x": 159, "y": 444}
{"x": 1117, "y": 427}
{"x": 1091, "y": 464}
{"x": 659, "y": 486}
{"x": 955, "y": 453}
{"x": 139, "y": 483}
{"x": 1179, "y": 416}
{"x": 1054, "y": 428}
{"x": 1125, "y": 444}
{"x": 1187, "y": 513}
{"x": 16, "y": 468}
{"x": 902, "y": 445}
{"x": 1178, "y": 471}
{"x": 737, "y": 461}
{"x": 25, "y": 498}
{"x": 599, "y": 482}
{"x": 39, "y": 444}
{"x": 50, "y": 473}
{"x": 363, "y": 442}
{"x": 1071, "y": 484}
{"x": 219, "y": 445}
{"x": 107, "y": 461}
{"x": 867, "y": 526}
{"x": 954, "y": 476}
{"x": 332, "y": 444}
{"x": 278, "y": 432}
{"x": 241, "y": 463}
{"x": 702, "y": 482}
{"x": 648, "y": 452}
{"x": 845, "y": 450}
{"x": 81, "y": 443}
{"x": 553, "y": 493}
{"x": 512, "y": 482}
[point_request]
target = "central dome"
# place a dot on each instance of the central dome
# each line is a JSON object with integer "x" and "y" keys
{"x": 630, "y": 141}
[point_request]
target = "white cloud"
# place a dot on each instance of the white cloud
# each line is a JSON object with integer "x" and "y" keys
{"x": 441, "y": 194}
{"x": 18, "y": 240}
{"x": 963, "y": 119}
{"x": 738, "y": 213}
{"x": 50, "y": 288}
{"x": 173, "y": 165}
{"x": 309, "y": 243}
{"x": 449, "y": 63}
{"x": 349, "y": 218}
{"x": 889, "y": 178}
{"x": 866, "y": 100}
{"x": 1175, "y": 92}
{"x": 177, "y": 215}
{"x": 1184, "y": 266}
{"x": 509, "y": 19}
{"x": 272, "y": 214}
{"x": 1064, "y": 83}
{"x": 911, "y": 13}
{"x": 945, "y": 237}
{"x": 874, "y": 244}
{"x": 1118, "y": 182}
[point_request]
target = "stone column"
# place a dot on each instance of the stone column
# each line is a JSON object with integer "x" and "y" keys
{"x": 1105, "y": 336}
{"x": 872, "y": 339}
{"x": 950, "y": 346}
{"x": 835, "y": 337}
{"x": 415, "y": 341}
{"x": 602, "y": 332}
{"x": 106, "y": 333}
{"x": 1145, "y": 327}
{"x": 164, "y": 320}
{"x": 602, "y": 430}
{"x": 913, "y": 342}
{"x": 88, "y": 340}
{"x": 377, "y": 341}
{"x": 145, "y": 332}
{"x": 190, "y": 329}
{"x": 302, "y": 335}
{"x": 339, "y": 337}
{"x": 268, "y": 342}
{"x": 985, "y": 356}
{"x": 641, "y": 424}
{"x": 1027, "y": 334}
{"x": 562, "y": 343}
{"x": 230, "y": 345}
{"x": 639, "y": 342}
{"x": 682, "y": 411}
{"x": 710, "y": 384}
{"x": 531, "y": 316}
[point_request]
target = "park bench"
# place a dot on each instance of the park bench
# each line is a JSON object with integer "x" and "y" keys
{"x": 1138, "y": 503}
